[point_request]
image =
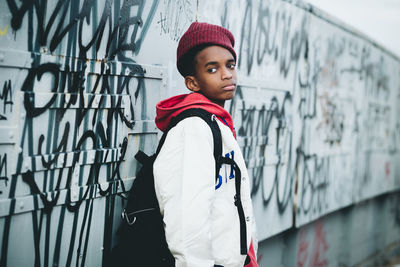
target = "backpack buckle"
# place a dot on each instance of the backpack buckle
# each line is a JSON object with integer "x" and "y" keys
{"x": 125, "y": 216}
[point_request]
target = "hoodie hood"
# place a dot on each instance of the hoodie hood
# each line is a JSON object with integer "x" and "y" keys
{"x": 171, "y": 107}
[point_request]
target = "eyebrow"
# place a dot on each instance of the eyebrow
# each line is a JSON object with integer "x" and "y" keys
{"x": 216, "y": 63}
{"x": 211, "y": 63}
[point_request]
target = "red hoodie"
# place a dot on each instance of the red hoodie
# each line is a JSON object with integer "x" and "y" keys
{"x": 171, "y": 107}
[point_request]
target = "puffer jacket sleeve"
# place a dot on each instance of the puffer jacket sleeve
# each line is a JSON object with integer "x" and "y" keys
{"x": 184, "y": 177}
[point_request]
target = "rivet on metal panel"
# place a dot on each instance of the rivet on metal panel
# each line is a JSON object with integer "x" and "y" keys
{"x": 22, "y": 116}
{"x": 21, "y": 205}
{"x": 1, "y": 57}
{"x": 11, "y": 134}
{"x": 161, "y": 73}
{"x": 19, "y": 150}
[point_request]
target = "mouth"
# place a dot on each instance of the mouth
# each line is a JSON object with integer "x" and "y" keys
{"x": 229, "y": 87}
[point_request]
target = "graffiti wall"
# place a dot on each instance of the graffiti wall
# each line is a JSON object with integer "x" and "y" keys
{"x": 316, "y": 111}
{"x": 316, "y": 114}
{"x": 366, "y": 234}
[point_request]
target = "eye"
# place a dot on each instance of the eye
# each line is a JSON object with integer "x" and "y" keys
{"x": 212, "y": 70}
{"x": 232, "y": 66}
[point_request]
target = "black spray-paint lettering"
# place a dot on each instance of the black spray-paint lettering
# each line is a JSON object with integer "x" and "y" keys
{"x": 315, "y": 174}
{"x": 27, "y": 87}
{"x": 3, "y": 170}
{"x": 119, "y": 32}
{"x": 261, "y": 37}
{"x": 6, "y": 99}
{"x": 118, "y": 41}
{"x": 259, "y": 123}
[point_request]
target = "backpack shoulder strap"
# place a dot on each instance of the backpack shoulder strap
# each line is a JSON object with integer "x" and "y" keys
{"x": 210, "y": 119}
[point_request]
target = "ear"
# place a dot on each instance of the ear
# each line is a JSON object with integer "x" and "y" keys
{"x": 191, "y": 83}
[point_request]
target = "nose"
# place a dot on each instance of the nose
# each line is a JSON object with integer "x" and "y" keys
{"x": 226, "y": 73}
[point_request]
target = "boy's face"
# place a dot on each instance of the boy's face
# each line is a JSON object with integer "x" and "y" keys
{"x": 215, "y": 75}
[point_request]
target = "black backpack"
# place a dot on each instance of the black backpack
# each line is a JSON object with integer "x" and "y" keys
{"x": 141, "y": 237}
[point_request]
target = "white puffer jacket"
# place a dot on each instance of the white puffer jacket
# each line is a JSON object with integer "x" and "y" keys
{"x": 201, "y": 220}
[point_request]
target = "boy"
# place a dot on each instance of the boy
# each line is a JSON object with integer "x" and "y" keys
{"x": 200, "y": 218}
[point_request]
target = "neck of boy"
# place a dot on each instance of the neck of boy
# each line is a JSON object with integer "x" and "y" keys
{"x": 220, "y": 103}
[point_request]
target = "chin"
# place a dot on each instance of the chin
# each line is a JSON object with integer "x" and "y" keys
{"x": 231, "y": 95}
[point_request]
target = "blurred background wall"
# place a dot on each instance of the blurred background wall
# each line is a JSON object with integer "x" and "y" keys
{"x": 316, "y": 113}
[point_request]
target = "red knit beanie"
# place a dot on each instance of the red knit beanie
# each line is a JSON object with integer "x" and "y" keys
{"x": 200, "y": 33}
